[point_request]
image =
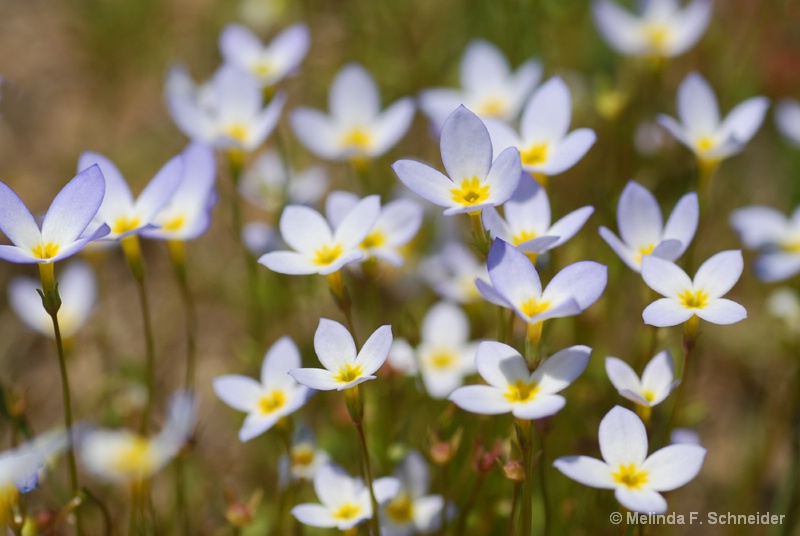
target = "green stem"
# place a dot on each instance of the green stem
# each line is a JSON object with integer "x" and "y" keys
{"x": 689, "y": 342}
{"x": 542, "y": 467}
{"x": 376, "y": 526}
{"x": 524, "y": 430}
{"x": 150, "y": 365}
{"x": 514, "y": 501}
{"x": 52, "y": 303}
{"x": 445, "y": 495}
{"x": 177, "y": 255}
{"x": 473, "y": 497}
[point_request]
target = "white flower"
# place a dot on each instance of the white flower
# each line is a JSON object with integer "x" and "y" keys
{"x": 684, "y": 436}
{"x": 412, "y": 511}
{"x": 187, "y": 214}
{"x": 452, "y": 272}
{"x": 544, "y": 145}
{"x": 656, "y": 382}
{"x": 396, "y": 225}
{"x": 444, "y": 355}
{"x": 318, "y": 250}
{"x": 642, "y": 228}
{"x": 267, "y": 401}
{"x": 777, "y": 236}
{"x": 78, "y": 290}
{"x": 513, "y": 388}
{"x": 783, "y": 303}
{"x": 515, "y": 284}
{"x": 345, "y": 500}
{"x": 304, "y": 459}
{"x": 356, "y": 127}
{"x": 474, "y": 182}
{"x": 259, "y": 238}
{"x": 787, "y": 119}
{"x": 228, "y": 113}
{"x": 527, "y": 222}
{"x": 701, "y": 297}
{"x": 489, "y": 87}
{"x": 344, "y": 368}
{"x": 120, "y": 211}
{"x": 123, "y": 456}
{"x": 663, "y": 29}
{"x": 701, "y": 129}
{"x": 266, "y": 183}
{"x": 268, "y": 64}
{"x": 635, "y": 477}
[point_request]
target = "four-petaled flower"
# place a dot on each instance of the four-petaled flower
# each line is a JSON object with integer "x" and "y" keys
{"x": 777, "y": 236}
{"x": 412, "y": 510}
{"x": 657, "y": 382}
{"x": 527, "y": 220}
{"x": 545, "y": 146}
{"x": 701, "y": 297}
{"x": 663, "y": 29}
{"x": 513, "y": 388}
{"x": 318, "y": 250}
{"x": 642, "y": 228}
{"x": 489, "y": 87}
{"x": 267, "y": 64}
{"x": 344, "y": 368}
{"x": 635, "y": 477}
{"x": 66, "y": 226}
{"x": 345, "y": 500}
{"x": 474, "y": 182}
{"x": 701, "y": 130}
{"x": 275, "y": 396}
{"x": 356, "y": 128}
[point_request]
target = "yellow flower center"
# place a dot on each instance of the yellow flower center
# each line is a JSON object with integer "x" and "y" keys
{"x": 124, "y": 224}
{"x": 135, "y": 459}
{"x": 442, "y": 359}
{"x": 327, "y": 254}
{"x": 494, "y": 106}
{"x": 644, "y": 251}
{"x": 471, "y": 192}
{"x": 522, "y": 391}
{"x": 523, "y": 236}
{"x": 347, "y": 511}
{"x": 401, "y": 509}
{"x": 791, "y": 247}
{"x": 649, "y": 395}
{"x": 302, "y": 455}
{"x": 238, "y": 132}
{"x": 705, "y": 143}
{"x": 45, "y": 251}
{"x": 534, "y": 307}
{"x": 272, "y": 401}
{"x": 693, "y": 299}
{"x": 263, "y": 68}
{"x": 375, "y": 239}
{"x": 356, "y": 138}
{"x": 348, "y": 373}
{"x": 630, "y": 476}
{"x": 534, "y": 155}
{"x": 174, "y": 223}
{"x": 657, "y": 36}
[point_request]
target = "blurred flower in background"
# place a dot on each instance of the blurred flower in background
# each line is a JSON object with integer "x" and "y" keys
{"x": 776, "y": 237}
{"x": 270, "y": 183}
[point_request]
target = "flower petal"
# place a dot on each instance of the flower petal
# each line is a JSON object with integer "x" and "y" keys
{"x": 673, "y": 466}
{"x": 391, "y": 125}
{"x": 540, "y": 407}
{"x": 547, "y": 115}
{"x": 620, "y": 248}
{"x": 682, "y": 223}
{"x": 334, "y": 345}
{"x": 375, "y": 351}
{"x": 719, "y": 273}
{"x": 358, "y": 223}
{"x": 319, "y": 379}
{"x": 664, "y": 277}
{"x": 466, "y": 146}
{"x": 623, "y": 438}
{"x": 759, "y": 225}
{"x": 773, "y": 267}
{"x": 354, "y": 97}
{"x": 16, "y": 221}
{"x": 482, "y": 64}
{"x": 562, "y": 368}
{"x": 643, "y": 500}
{"x": 314, "y": 515}
{"x": 425, "y": 181}
{"x": 569, "y": 225}
{"x": 622, "y": 376}
{"x": 582, "y": 281}
{"x": 568, "y": 152}
{"x": 742, "y": 122}
{"x": 504, "y": 176}
{"x": 639, "y": 217}
{"x": 316, "y": 132}
{"x": 529, "y": 208}
{"x": 658, "y": 377}
{"x": 74, "y": 207}
{"x": 239, "y": 392}
{"x": 722, "y": 311}
{"x": 512, "y": 274}
{"x": 480, "y": 399}
{"x": 159, "y": 190}
{"x": 500, "y": 365}
{"x": 445, "y": 324}
{"x": 304, "y": 229}
{"x": 238, "y": 45}
{"x": 588, "y": 471}
{"x": 697, "y": 105}
{"x": 282, "y": 357}
{"x": 667, "y": 312}
{"x": 289, "y": 262}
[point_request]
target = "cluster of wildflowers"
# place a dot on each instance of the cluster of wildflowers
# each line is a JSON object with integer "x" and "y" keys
{"x": 467, "y": 358}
